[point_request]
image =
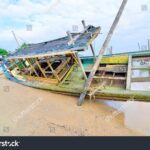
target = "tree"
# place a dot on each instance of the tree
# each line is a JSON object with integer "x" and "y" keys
{"x": 24, "y": 45}
{"x": 3, "y": 52}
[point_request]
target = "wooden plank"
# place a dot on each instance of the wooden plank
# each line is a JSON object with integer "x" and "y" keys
{"x": 139, "y": 58}
{"x": 42, "y": 71}
{"x": 53, "y": 71}
{"x": 41, "y": 79}
{"x": 142, "y": 67}
{"x": 109, "y": 78}
{"x": 63, "y": 72}
{"x": 114, "y": 68}
{"x": 69, "y": 72}
{"x": 141, "y": 79}
{"x": 28, "y": 60}
{"x": 101, "y": 53}
{"x": 82, "y": 68}
{"x": 129, "y": 73}
{"x": 61, "y": 66}
{"x": 93, "y": 52}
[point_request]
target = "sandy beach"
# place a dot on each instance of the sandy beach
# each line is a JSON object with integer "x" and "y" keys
{"x": 27, "y": 111}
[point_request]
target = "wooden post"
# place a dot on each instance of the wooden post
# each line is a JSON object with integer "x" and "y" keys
{"x": 93, "y": 52}
{"x": 91, "y": 46}
{"x": 84, "y": 25}
{"x": 96, "y": 65}
{"x": 82, "y": 68}
{"x": 71, "y": 41}
{"x": 148, "y": 44}
{"x": 129, "y": 73}
{"x": 40, "y": 68}
{"x": 28, "y": 60}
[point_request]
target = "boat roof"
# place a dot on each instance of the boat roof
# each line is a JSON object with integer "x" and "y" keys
{"x": 81, "y": 41}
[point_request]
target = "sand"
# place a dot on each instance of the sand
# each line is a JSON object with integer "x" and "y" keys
{"x": 26, "y": 111}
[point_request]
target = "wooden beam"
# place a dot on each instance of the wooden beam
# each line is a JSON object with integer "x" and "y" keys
{"x": 129, "y": 73}
{"x": 28, "y": 60}
{"x": 109, "y": 78}
{"x": 101, "y": 53}
{"x": 82, "y": 68}
{"x": 142, "y": 67}
{"x": 93, "y": 52}
{"x": 114, "y": 68}
{"x": 141, "y": 79}
{"x": 53, "y": 71}
{"x": 42, "y": 71}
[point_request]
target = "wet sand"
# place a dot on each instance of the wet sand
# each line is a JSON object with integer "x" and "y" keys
{"x": 26, "y": 111}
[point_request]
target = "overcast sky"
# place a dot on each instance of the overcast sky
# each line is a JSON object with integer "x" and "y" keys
{"x": 51, "y": 19}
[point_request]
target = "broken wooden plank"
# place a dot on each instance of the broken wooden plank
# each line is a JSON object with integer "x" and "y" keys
{"x": 96, "y": 65}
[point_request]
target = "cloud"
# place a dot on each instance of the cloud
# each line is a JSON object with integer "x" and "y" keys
{"x": 51, "y": 19}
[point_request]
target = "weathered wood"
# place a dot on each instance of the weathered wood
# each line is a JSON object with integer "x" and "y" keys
{"x": 28, "y": 60}
{"x": 113, "y": 78}
{"x": 63, "y": 72}
{"x": 109, "y": 78}
{"x": 141, "y": 79}
{"x": 142, "y": 67}
{"x": 94, "y": 91}
{"x": 114, "y": 68}
{"x": 53, "y": 71}
{"x": 62, "y": 65}
{"x": 96, "y": 65}
{"x": 93, "y": 52}
{"x": 42, "y": 71}
{"x": 129, "y": 73}
{"x": 82, "y": 68}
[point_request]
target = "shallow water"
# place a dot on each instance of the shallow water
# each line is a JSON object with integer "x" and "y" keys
{"x": 136, "y": 114}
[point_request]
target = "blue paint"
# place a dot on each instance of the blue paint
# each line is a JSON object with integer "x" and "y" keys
{"x": 6, "y": 73}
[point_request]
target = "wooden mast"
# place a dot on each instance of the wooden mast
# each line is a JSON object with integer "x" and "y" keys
{"x": 91, "y": 46}
{"x": 96, "y": 65}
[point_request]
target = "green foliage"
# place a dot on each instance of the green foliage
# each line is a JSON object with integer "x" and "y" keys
{"x": 24, "y": 45}
{"x": 3, "y": 52}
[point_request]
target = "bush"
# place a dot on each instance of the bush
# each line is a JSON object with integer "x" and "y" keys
{"x": 3, "y": 52}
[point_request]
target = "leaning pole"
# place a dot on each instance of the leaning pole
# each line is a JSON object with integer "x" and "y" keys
{"x": 101, "y": 53}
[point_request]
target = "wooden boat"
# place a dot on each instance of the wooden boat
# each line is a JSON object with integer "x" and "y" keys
{"x": 63, "y": 71}
{"x": 56, "y": 66}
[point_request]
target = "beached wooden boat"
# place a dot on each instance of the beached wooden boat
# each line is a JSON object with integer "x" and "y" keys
{"x": 56, "y": 66}
{"x": 47, "y": 67}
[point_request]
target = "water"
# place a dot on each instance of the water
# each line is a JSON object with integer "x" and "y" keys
{"x": 136, "y": 114}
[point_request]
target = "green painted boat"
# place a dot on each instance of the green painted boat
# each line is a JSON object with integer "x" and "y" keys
{"x": 56, "y": 66}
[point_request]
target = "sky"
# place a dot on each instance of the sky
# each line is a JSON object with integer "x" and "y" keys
{"x": 35, "y": 21}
